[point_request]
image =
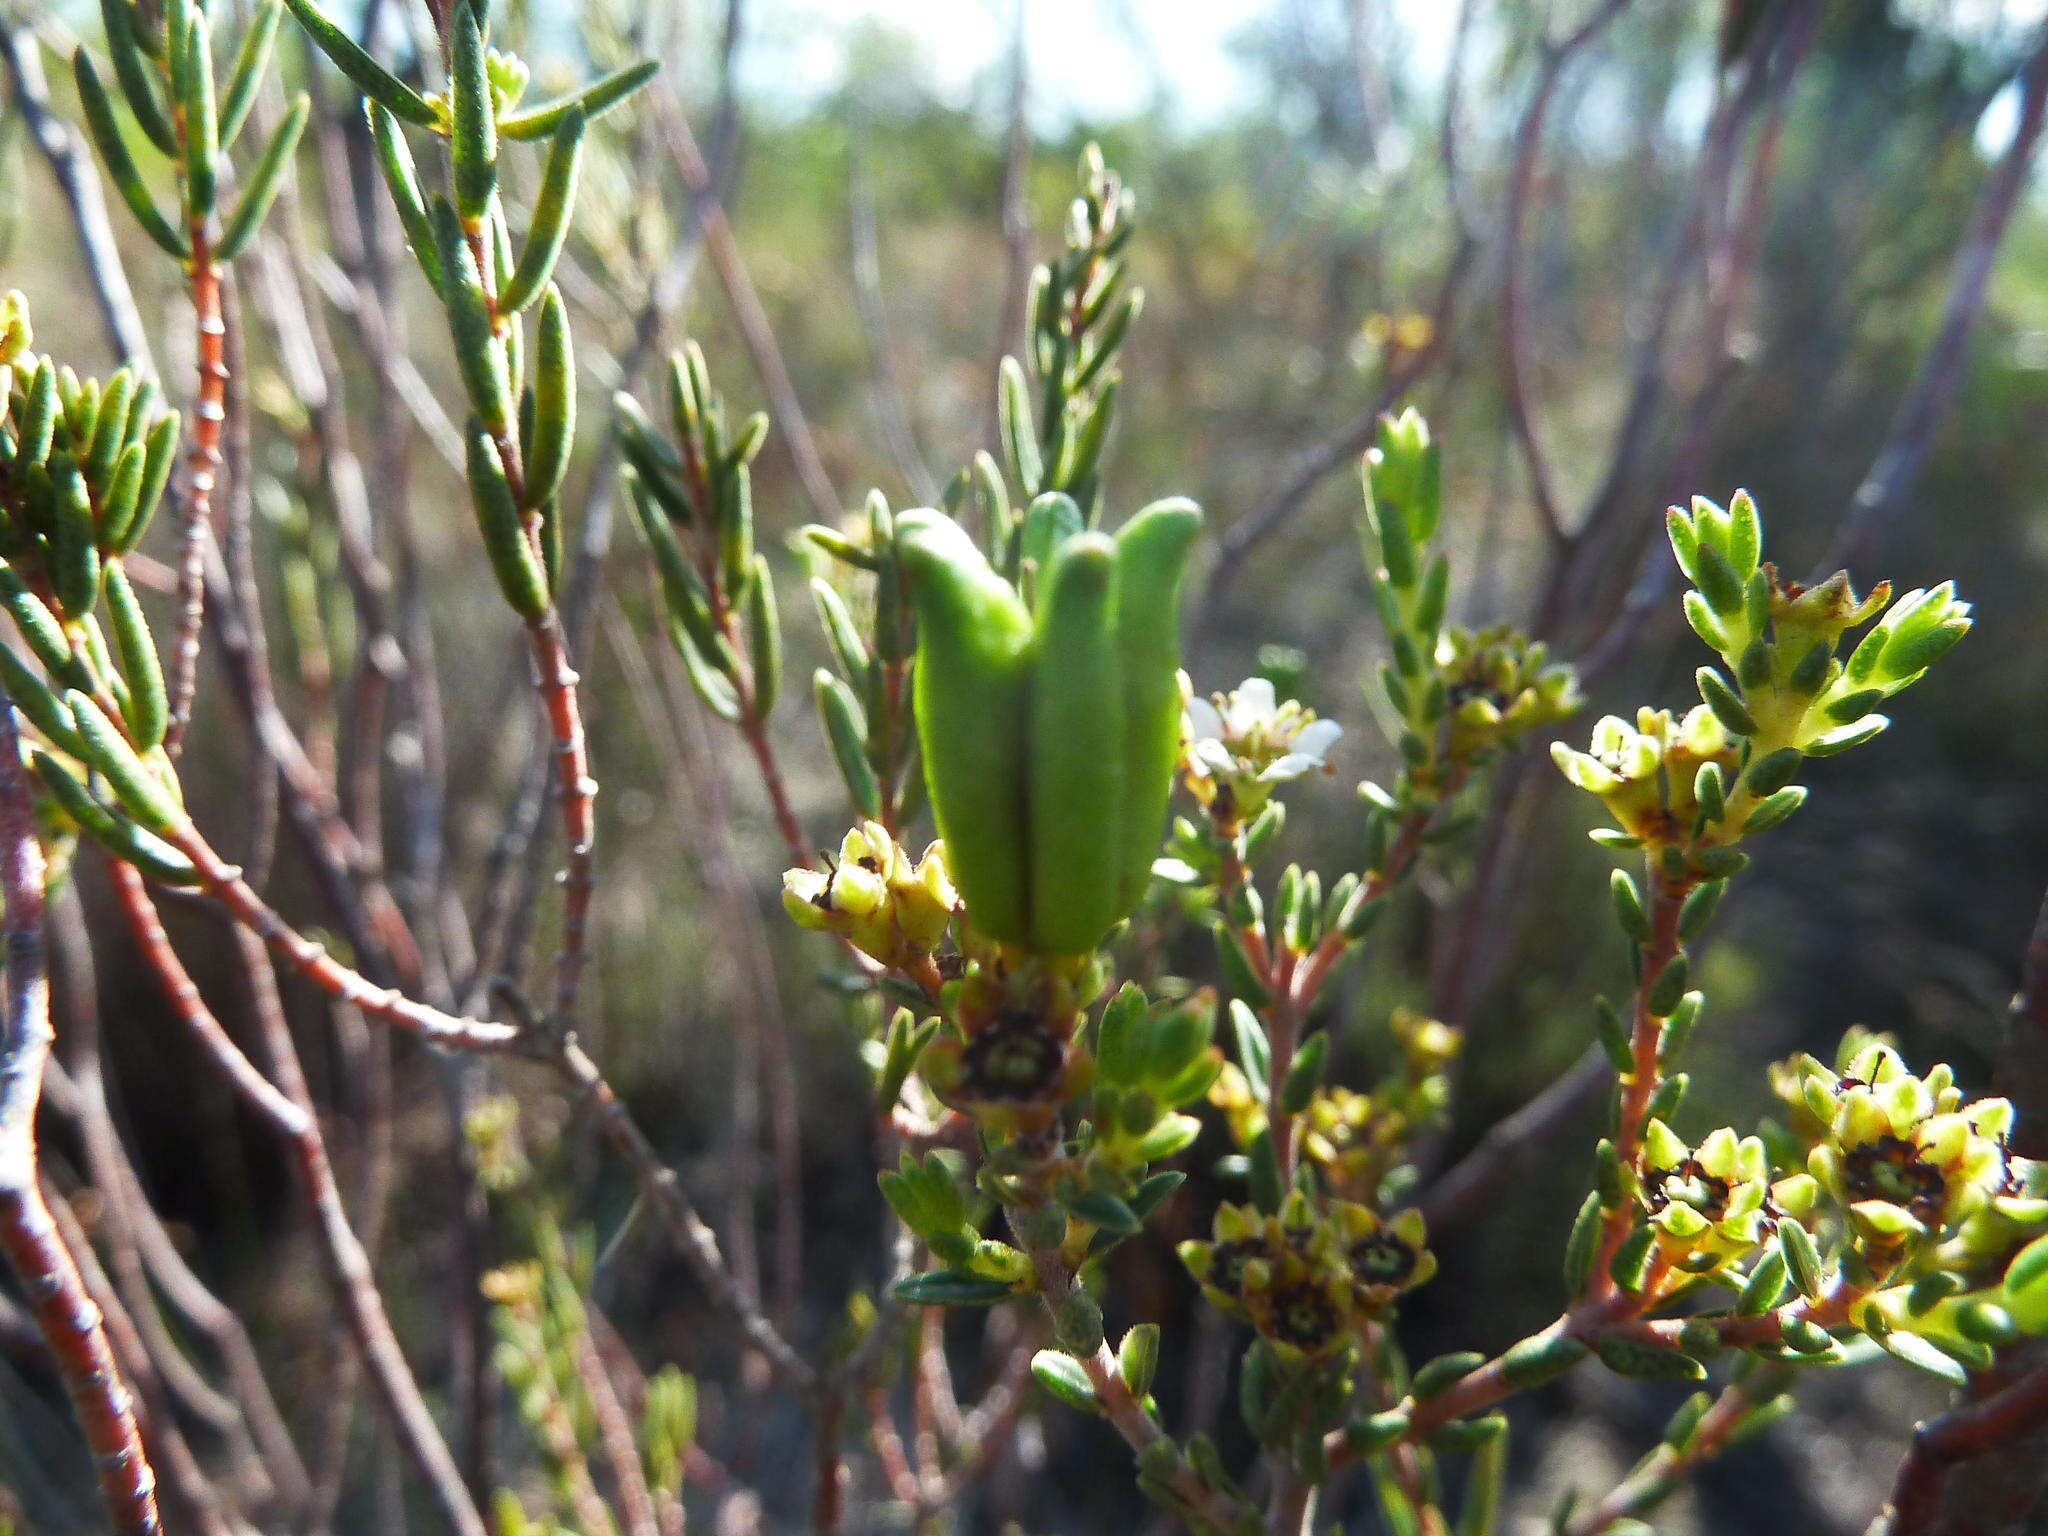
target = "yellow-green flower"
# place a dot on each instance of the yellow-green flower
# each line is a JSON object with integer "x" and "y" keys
{"x": 1644, "y": 773}
{"x": 1710, "y": 1204}
{"x": 1502, "y": 685}
{"x": 885, "y": 905}
{"x": 1308, "y": 1277}
{"x": 1904, "y": 1156}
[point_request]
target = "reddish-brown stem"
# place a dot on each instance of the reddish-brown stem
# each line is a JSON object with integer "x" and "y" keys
{"x": 755, "y": 731}
{"x": 1649, "y": 1482}
{"x": 1132, "y": 1420}
{"x": 1968, "y": 1430}
{"x": 290, "y": 1111}
{"x": 225, "y": 883}
{"x": 555, "y": 681}
{"x": 56, "y": 1292}
{"x": 195, "y": 512}
{"x": 1646, "y": 1038}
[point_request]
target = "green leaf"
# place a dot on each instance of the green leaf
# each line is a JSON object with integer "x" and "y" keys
{"x": 264, "y": 181}
{"x": 1648, "y": 1362}
{"x": 1580, "y": 1247}
{"x": 552, "y": 207}
{"x": 1722, "y": 700}
{"x": 1539, "y": 1358}
{"x": 201, "y": 119}
{"x": 372, "y": 78}
{"x": 1802, "y": 1259}
{"x": 1137, "y": 1358}
{"x": 147, "y": 707}
{"x": 135, "y": 75}
{"x": 764, "y": 639}
{"x": 472, "y": 122}
{"x": 1436, "y": 1377}
{"x": 152, "y": 855}
{"x": 1062, "y": 1377}
{"x": 553, "y": 438}
{"x": 594, "y": 100}
{"x": 251, "y": 59}
{"x": 120, "y": 165}
{"x": 141, "y": 793}
{"x": 1020, "y": 433}
{"x": 394, "y": 157}
{"x": 846, "y": 731}
{"x": 1099, "y": 1208}
{"x": 951, "y": 1288}
{"x": 512, "y": 556}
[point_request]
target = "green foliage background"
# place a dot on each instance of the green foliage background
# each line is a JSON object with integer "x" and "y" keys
{"x": 1270, "y": 236}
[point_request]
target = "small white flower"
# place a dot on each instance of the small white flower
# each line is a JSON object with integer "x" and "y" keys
{"x": 1249, "y": 740}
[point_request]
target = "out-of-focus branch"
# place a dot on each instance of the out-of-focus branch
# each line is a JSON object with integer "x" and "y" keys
{"x": 2008, "y": 1416}
{"x": 78, "y": 179}
{"x": 1557, "y": 59}
{"x": 289, "y": 1110}
{"x": 1898, "y": 461}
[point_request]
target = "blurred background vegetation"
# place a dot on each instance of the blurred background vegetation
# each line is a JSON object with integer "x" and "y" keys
{"x": 885, "y": 172}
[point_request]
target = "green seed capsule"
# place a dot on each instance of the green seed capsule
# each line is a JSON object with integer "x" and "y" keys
{"x": 1152, "y": 552}
{"x": 974, "y": 648}
{"x": 1075, "y": 795}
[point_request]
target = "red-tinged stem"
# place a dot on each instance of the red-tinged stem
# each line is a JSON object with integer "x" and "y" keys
{"x": 64, "y": 1310}
{"x": 290, "y": 1111}
{"x": 195, "y": 513}
{"x": 312, "y": 961}
{"x": 1665, "y": 1465}
{"x": 755, "y": 731}
{"x": 1646, "y": 1038}
{"x": 1968, "y": 1430}
{"x": 1132, "y": 1420}
{"x": 555, "y": 681}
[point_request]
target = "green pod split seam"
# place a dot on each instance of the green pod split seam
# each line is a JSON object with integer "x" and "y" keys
{"x": 1076, "y": 792}
{"x": 1152, "y": 555}
{"x": 973, "y": 657}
